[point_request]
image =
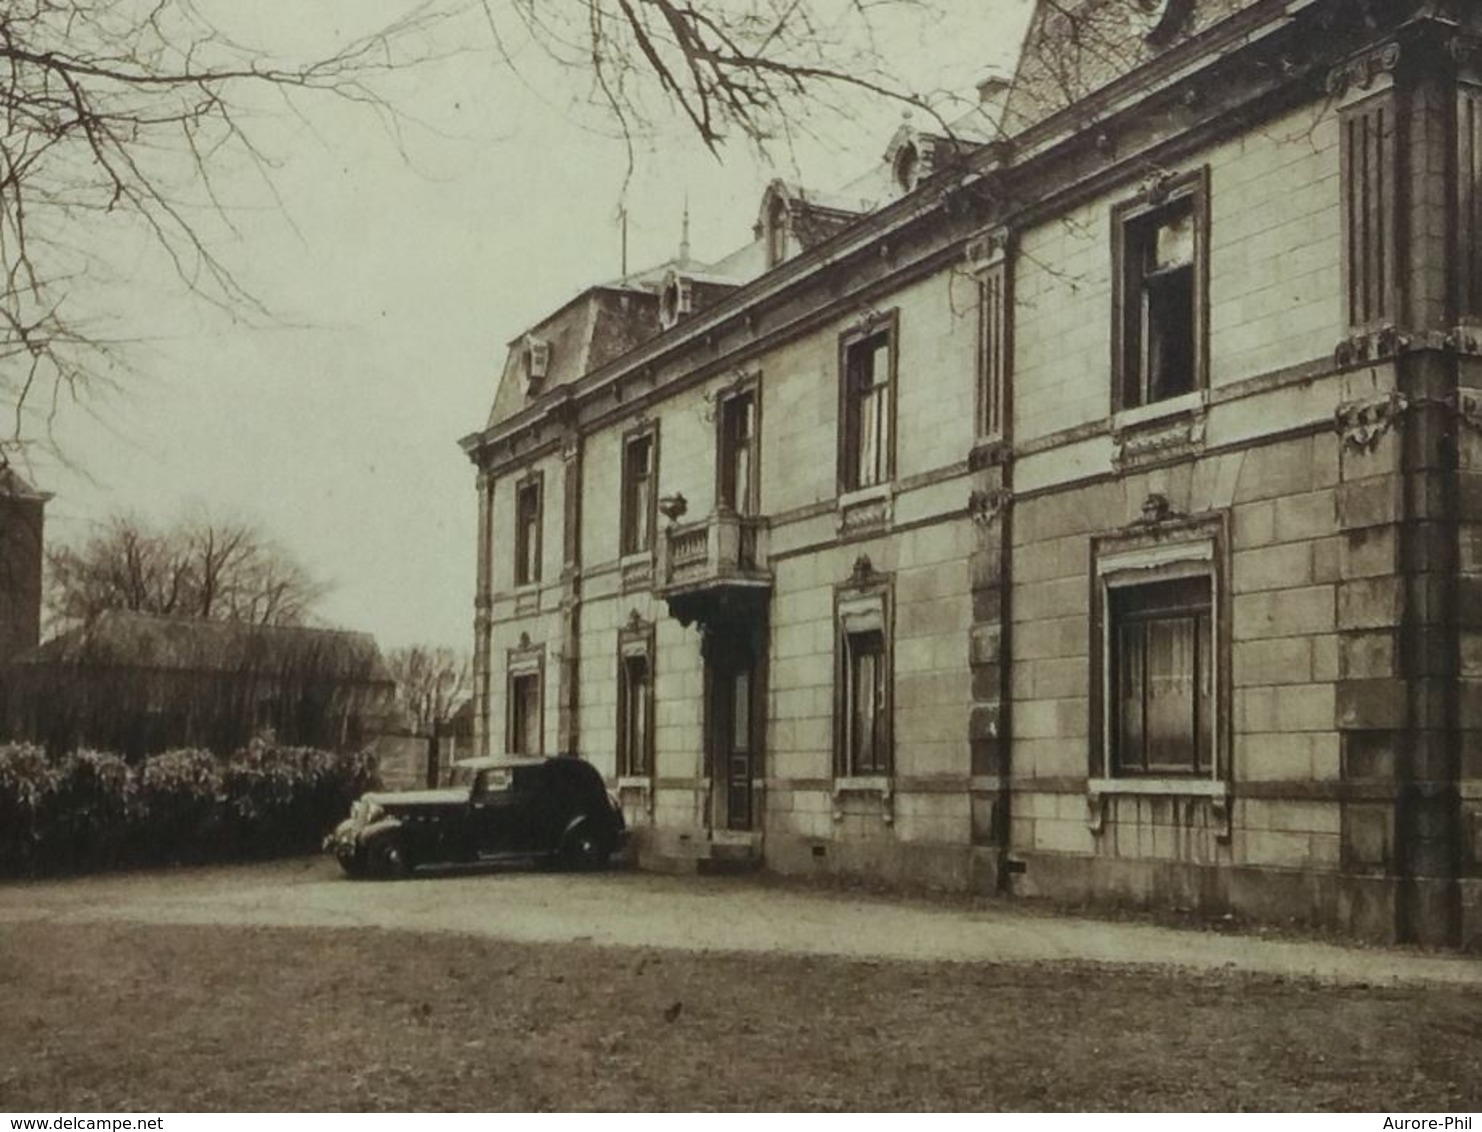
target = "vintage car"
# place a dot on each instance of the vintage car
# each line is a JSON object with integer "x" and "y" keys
{"x": 553, "y": 809}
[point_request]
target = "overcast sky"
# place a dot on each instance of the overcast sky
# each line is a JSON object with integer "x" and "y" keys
{"x": 396, "y": 272}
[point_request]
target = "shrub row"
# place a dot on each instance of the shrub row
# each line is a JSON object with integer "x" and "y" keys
{"x": 91, "y": 809}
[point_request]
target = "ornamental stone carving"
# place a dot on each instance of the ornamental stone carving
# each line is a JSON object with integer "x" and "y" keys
{"x": 986, "y": 507}
{"x": 1162, "y": 439}
{"x": 1361, "y": 425}
{"x": 1363, "y": 71}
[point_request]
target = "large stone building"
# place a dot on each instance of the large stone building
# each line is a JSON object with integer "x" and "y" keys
{"x": 1095, "y": 512}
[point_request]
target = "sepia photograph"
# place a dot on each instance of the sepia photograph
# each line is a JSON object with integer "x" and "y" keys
{"x": 727, "y": 556}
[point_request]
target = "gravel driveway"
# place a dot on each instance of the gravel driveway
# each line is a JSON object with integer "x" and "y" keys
{"x": 688, "y": 913}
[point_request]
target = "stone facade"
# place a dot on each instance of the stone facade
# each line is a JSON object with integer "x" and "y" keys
{"x": 1092, "y": 624}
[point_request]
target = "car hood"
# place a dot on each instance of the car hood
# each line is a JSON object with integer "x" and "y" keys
{"x": 404, "y": 798}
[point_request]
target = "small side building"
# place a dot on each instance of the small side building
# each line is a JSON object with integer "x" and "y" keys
{"x": 22, "y": 512}
{"x": 137, "y": 683}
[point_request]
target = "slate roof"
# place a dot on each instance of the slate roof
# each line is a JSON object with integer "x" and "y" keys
{"x": 124, "y": 639}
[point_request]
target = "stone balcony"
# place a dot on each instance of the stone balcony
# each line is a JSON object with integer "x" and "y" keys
{"x": 716, "y": 568}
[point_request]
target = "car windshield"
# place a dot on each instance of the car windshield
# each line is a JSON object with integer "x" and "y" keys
{"x": 488, "y": 780}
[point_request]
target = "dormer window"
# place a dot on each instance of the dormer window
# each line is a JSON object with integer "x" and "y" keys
{"x": 1159, "y": 20}
{"x": 776, "y": 231}
{"x": 907, "y": 167}
{"x": 535, "y": 361}
{"x": 676, "y": 299}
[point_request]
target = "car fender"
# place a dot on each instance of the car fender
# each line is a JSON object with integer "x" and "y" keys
{"x": 381, "y": 828}
{"x": 573, "y": 824}
{"x": 577, "y": 822}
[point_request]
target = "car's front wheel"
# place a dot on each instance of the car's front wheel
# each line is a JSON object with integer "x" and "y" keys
{"x": 386, "y": 860}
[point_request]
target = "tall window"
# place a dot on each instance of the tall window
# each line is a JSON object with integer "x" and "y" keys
{"x": 1161, "y": 295}
{"x": 640, "y": 470}
{"x": 866, "y": 720}
{"x": 867, "y": 455}
{"x": 1162, "y": 677}
{"x": 739, "y": 472}
{"x": 523, "y": 734}
{"x": 527, "y": 531}
{"x": 635, "y": 711}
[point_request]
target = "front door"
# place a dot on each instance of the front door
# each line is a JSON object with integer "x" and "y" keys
{"x": 734, "y": 730}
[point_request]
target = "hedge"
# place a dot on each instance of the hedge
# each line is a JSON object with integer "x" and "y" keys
{"x": 91, "y": 809}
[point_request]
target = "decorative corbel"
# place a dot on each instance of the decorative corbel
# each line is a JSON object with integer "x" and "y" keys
{"x": 1096, "y": 812}
{"x": 1468, "y": 406}
{"x": 866, "y": 320}
{"x": 1364, "y": 70}
{"x": 1220, "y": 811}
{"x": 673, "y": 507}
{"x": 1156, "y": 509}
{"x": 1154, "y": 190}
{"x": 987, "y": 249}
{"x": 986, "y": 507}
{"x": 1361, "y": 425}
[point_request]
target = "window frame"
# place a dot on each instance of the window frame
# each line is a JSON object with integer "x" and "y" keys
{"x": 853, "y": 341}
{"x": 1167, "y": 606}
{"x": 863, "y": 608}
{"x": 749, "y": 389}
{"x": 1131, "y": 221}
{"x": 1156, "y": 554}
{"x": 629, "y": 542}
{"x": 529, "y": 561}
{"x": 524, "y": 664}
{"x": 635, "y": 643}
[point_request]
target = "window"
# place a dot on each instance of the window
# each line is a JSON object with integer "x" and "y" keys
{"x": 867, "y": 450}
{"x": 527, "y": 531}
{"x": 907, "y": 167}
{"x": 524, "y": 732}
{"x": 863, "y": 690}
{"x": 1161, "y": 296}
{"x": 640, "y": 501}
{"x": 738, "y": 454}
{"x": 535, "y": 359}
{"x": 676, "y": 299}
{"x": 776, "y": 231}
{"x": 866, "y": 725}
{"x": 635, "y": 715}
{"x": 1161, "y": 682}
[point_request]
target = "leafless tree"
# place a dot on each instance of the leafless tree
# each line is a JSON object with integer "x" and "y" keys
{"x": 219, "y": 571}
{"x": 120, "y": 119}
{"x": 431, "y": 682}
{"x": 754, "y": 70}
{"x": 127, "y": 119}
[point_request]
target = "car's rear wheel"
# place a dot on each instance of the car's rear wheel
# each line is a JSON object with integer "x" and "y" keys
{"x": 385, "y": 860}
{"x": 585, "y": 849}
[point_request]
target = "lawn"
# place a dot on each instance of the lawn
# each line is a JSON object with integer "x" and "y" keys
{"x": 123, "y": 1017}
